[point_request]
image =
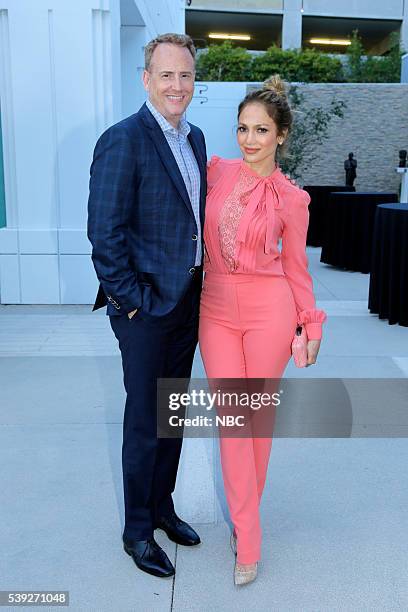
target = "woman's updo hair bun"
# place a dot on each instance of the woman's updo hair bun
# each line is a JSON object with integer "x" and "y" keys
{"x": 273, "y": 96}
{"x": 275, "y": 83}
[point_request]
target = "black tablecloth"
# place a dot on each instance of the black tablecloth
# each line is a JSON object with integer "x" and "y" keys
{"x": 317, "y": 208}
{"x": 348, "y": 236}
{"x": 388, "y": 295}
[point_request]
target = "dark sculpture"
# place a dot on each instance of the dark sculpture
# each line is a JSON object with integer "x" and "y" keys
{"x": 403, "y": 158}
{"x": 350, "y": 166}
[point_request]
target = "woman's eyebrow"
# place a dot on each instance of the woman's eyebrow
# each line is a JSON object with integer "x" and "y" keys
{"x": 256, "y": 125}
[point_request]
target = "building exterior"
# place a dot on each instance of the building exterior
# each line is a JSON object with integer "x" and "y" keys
{"x": 69, "y": 69}
{"x": 293, "y": 23}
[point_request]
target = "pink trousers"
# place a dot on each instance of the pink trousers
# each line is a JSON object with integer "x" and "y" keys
{"x": 247, "y": 323}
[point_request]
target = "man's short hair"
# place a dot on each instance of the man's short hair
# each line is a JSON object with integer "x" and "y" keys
{"x": 181, "y": 40}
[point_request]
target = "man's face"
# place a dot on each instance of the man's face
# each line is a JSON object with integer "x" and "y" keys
{"x": 170, "y": 80}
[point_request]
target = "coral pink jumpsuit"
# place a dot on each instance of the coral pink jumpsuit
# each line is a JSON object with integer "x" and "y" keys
{"x": 253, "y": 297}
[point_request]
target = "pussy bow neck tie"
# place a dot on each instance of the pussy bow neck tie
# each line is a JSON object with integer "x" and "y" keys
{"x": 266, "y": 195}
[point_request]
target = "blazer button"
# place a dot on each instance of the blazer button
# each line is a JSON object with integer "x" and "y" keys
{"x": 192, "y": 271}
{"x": 194, "y": 237}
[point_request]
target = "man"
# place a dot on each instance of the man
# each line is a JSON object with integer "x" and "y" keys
{"x": 146, "y": 213}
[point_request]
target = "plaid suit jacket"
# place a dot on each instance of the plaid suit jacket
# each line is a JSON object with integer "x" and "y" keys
{"x": 140, "y": 221}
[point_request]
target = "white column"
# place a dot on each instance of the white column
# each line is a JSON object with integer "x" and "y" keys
{"x": 404, "y": 68}
{"x": 292, "y": 25}
{"x": 162, "y": 16}
{"x": 59, "y": 89}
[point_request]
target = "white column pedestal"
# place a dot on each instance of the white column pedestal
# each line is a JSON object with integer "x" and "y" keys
{"x": 404, "y": 184}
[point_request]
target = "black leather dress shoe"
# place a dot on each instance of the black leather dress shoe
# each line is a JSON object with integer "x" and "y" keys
{"x": 149, "y": 557}
{"x": 178, "y": 531}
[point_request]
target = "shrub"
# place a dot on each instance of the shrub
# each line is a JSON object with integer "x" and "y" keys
{"x": 224, "y": 63}
{"x": 227, "y": 62}
{"x": 309, "y": 66}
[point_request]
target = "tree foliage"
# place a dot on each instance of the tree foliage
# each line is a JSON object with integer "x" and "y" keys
{"x": 372, "y": 69}
{"x": 224, "y": 63}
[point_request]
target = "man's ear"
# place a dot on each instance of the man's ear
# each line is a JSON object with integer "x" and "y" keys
{"x": 146, "y": 79}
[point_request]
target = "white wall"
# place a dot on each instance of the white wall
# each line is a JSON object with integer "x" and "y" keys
{"x": 60, "y": 87}
{"x": 239, "y": 5}
{"x": 214, "y": 108}
{"x": 392, "y": 9}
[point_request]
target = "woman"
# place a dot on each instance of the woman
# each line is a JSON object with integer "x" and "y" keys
{"x": 254, "y": 295}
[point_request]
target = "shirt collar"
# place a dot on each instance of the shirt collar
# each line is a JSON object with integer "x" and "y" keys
{"x": 183, "y": 128}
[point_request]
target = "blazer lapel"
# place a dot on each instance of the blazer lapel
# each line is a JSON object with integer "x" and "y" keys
{"x": 203, "y": 172}
{"x": 166, "y": 155}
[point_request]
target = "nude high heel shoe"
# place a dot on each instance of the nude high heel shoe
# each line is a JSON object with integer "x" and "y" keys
{"x": 242, "y": 576}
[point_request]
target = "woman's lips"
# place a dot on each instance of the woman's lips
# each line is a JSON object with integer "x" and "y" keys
{"x": 248, "y": 150}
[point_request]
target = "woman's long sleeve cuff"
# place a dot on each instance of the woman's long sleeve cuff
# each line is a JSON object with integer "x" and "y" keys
{"x": 312, "y": 320}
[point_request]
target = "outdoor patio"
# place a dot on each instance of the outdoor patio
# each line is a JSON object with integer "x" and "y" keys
{"x": 334, "y": 510}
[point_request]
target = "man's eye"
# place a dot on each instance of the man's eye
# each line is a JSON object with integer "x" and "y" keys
{"x": 165, "y": 75}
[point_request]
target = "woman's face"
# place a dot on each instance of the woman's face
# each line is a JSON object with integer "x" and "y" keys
{"x": 257, "y": 134}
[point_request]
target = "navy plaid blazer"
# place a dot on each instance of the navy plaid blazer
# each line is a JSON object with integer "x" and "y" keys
{"x": 140, "y": 220}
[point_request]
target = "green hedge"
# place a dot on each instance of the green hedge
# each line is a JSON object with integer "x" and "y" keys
{"x": 227, "y": 62}
{"x": 308, "y": 66}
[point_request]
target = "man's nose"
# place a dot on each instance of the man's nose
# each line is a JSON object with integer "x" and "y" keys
{"x": 177, "y": 82}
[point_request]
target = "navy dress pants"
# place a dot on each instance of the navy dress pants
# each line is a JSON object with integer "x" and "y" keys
{"x": 151, "y": 348}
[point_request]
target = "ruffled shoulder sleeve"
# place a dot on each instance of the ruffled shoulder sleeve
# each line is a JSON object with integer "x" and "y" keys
{"x": 219, "y": 167}
{"x": 214, "y": 170}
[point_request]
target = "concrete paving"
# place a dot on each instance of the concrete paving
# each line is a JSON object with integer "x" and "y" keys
{"x": 334, "y": 516}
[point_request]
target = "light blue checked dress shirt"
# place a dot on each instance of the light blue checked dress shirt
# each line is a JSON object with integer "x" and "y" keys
{"x": 187, "y": 163}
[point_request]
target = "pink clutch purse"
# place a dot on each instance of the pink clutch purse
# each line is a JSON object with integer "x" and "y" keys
{"x": 299, "y": 347}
